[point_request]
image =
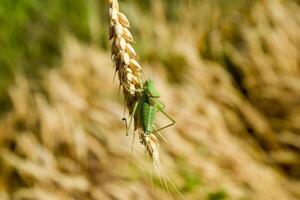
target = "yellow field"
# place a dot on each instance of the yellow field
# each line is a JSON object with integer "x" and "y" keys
{"x": 229, "y": 76}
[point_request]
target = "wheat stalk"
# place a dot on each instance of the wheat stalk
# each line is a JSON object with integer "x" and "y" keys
{"x": 129, "y": 70}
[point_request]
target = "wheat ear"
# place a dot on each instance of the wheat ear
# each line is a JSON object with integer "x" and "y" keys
{"x": 128, "y": 69}
{"x": 123, "y": 55}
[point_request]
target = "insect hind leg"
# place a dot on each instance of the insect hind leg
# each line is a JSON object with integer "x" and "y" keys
{"x": 170, "y": 118}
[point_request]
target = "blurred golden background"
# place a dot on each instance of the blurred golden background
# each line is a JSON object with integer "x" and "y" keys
{"x": 227, "y": 70}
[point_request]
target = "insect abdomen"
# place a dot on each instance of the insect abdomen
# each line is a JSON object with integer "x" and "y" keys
{"x": 148, "y": 116}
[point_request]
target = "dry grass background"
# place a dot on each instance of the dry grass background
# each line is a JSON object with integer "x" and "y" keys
{"x": 233, "y": 89}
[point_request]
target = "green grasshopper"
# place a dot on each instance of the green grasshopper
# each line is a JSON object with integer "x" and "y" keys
{"x": 145, "y": 109}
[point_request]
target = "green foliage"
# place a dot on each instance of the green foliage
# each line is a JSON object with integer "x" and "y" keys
{"x": 192, "y": 179}
{"x": 175, "y": 65}
{"x": 31, "y": 32}
{"x": 218, "y": 195}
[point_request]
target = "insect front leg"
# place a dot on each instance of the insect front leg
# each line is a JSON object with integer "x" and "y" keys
{"x": 131, "y": 117}
{"x": 124, "y": 119}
